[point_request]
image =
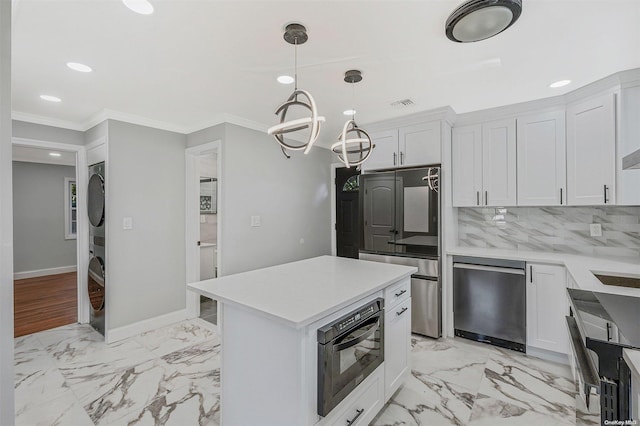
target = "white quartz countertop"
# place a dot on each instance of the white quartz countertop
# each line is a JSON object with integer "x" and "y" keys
{"x": 632, "y": 357}
{"x": 299, "y": 293}
{"x": 581, "y": 268}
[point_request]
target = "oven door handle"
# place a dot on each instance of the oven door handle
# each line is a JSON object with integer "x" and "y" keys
{"x": 359, "y": 338}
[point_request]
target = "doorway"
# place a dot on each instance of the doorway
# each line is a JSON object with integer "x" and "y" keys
{"x": 203, "y": 215}
{"x": 48, "y": 233}
{"x": 347, "y": 190}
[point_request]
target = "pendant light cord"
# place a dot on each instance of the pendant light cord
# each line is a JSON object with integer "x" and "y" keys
{"x": 353, "y": 101}
{"x": 295, "y": 63}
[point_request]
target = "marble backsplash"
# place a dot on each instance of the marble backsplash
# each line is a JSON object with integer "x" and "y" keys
{"x": 560, "y": 229}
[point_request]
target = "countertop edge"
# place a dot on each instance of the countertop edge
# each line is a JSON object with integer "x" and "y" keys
{"x": 307, "y": 321}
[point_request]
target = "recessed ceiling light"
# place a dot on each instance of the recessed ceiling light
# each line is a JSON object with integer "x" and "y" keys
{"x": 350, "y": 112}
{"x": 50, "y": 98}
{"x": 76, "y": 66}
{"x": 55, "y": 154}
{"x": 142, "y": 7}
{"x": 559, "y": 83}
{"x": 285, "y": 79}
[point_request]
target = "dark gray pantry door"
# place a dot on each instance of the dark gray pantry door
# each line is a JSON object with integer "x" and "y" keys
{"x": 347, "y": 212}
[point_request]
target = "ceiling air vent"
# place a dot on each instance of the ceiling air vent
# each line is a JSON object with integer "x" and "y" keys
{"x": 402, "y": 103}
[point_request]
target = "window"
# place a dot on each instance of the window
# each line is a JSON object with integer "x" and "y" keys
{"x": 70, "y": 209}
{"x": 352, "y": 184}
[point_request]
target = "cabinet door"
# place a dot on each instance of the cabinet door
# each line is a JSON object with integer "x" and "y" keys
{"x": 397, "y": 346}
{"x": 499, "y": 163}
{"x": 542, "y": 172}
{"x": 466, "y": 166}
{"x": 420, "y": 144}
{"x": 591, "y": 151}
{"x": 385, "y": 153}
{"x": 547, "y": 307}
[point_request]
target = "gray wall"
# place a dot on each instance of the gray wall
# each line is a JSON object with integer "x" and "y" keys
{"x": 146, "y": 265}
{"x": 38, "y": 217}
{"x": 41, "y": 132}
{"x": 6, "y": 228}
{"x": 561, "y": 229}
{"x": 96, "y": 132}
{"x": 292, "y": 197}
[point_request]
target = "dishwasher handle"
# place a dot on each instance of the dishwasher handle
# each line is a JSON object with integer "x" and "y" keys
{"x": 489, "y": 268}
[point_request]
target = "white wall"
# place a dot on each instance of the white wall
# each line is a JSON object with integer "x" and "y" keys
{"x": 145, "y": 267}
{"x": 6, "y": 227}
{"x": 292, "y": 198}
{"x": 40, "y": 132}
{"x": 39, "y": 217}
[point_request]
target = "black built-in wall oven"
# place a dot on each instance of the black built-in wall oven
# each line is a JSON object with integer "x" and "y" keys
{"x": 349, "y": 350}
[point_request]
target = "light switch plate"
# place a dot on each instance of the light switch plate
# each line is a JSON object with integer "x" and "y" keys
{"x": 255, "y": 220}
{"x": 595, "y": 229}
{"x": 127, "y": 223}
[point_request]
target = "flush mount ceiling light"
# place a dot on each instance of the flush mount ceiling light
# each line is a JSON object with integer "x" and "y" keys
{"x": 76, "y": 66}
{"x": 349, "y": 112}
{"x": 297, "y": 34}
{"x": 354, "y": 144}
{"x": 50, "y": 98}
{"x": 477, "y": 20}
{"x": 285, "y": 79}
{"x": 560, "y": 83}
{"x": 55, "y": 154}
{"x": 143, "y": 7}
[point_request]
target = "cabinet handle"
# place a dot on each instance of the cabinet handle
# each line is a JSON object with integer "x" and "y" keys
{"x": 531, "y": 273}
{"x": 608, "y": 331}
{"x": 353, "y": 420}
{"x": 402, "y": 311}
{"x": 394, "y": 158}
{"x": 560, "y": 196}
{"x": 401, "y": 293}
{"x": 401, "y": 158}
{"x": 605, "y": 194}
{"x": 486, "y": 198}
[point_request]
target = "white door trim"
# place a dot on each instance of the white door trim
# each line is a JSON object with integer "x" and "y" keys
{"x": 192, "y": 215}
{"x": 82, "y": 240}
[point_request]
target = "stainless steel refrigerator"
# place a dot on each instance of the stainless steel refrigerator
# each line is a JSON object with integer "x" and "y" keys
{"x": 400, "y": 223}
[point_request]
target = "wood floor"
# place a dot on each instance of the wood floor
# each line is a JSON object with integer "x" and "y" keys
{"x": 44, "y": 302}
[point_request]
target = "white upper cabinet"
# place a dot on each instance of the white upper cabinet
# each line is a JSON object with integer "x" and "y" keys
{"x": 414, "y": 145}
{"x": 541, "y": 155}
{"x": 385, "y": 152}
{"x": 484, "y": 164}
{"x": 499, "y": 163}
{"x": 466, "y": 158}
{"x": 420, "y": 144}
{"x": 591, "y": 151}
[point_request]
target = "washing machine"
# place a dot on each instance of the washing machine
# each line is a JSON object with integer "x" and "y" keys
{"x": 96, "y": 282}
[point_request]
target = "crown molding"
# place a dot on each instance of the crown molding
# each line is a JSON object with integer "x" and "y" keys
{"x": 108, "y": 114}
{"x": 46, "y": 121}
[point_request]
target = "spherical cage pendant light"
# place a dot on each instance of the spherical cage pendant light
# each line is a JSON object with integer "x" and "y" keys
{"x": 354, "y": 144}
{"x": 477, "y": 20}
{"x": 296, "y": 34}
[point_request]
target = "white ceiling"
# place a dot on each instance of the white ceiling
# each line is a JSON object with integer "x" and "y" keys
{"x": 39, "y": 155}
{"x": 192, "y": 62}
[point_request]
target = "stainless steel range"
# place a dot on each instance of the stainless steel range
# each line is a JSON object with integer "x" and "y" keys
{"x": 601, "y": 325}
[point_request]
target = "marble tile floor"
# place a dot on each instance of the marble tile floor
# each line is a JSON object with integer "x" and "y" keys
{"x": 170, "y": 376}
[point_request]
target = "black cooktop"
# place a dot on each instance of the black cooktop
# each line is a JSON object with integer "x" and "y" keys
{"x": 595, "y": 309}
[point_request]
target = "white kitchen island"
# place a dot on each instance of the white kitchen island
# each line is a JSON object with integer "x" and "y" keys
{"x": 269, "y": 325}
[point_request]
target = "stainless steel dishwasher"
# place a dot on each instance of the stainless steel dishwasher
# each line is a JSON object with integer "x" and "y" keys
{"x": 489, "y": 301}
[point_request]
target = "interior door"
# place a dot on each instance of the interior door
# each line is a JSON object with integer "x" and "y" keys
{"x": 347, "y": 212}
{"x": 379, "y": 212}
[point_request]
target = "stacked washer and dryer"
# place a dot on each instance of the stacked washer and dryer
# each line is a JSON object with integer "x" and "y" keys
{"x": 96, "y": 273}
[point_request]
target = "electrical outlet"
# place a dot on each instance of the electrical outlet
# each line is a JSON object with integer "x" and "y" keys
{"x": 255, "y": 221}
{"x": 595, "y": 229}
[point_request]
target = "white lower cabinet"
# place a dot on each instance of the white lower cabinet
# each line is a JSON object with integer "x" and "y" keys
{"x": 547, "y": 307}
{"x": 367, "y": 401}
{"x": 397, "y": 345}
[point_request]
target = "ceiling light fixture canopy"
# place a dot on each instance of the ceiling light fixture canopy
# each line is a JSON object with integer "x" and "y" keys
{"x": 354, "y": 144}
{"x": 296, "y": 34}
{"x": 477, "y": 20}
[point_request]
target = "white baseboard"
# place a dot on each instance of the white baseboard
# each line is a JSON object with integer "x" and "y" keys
{"x": 139, "y": 327}
{"x": 44, "y": 272}
{"x": 560, "y": 358}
